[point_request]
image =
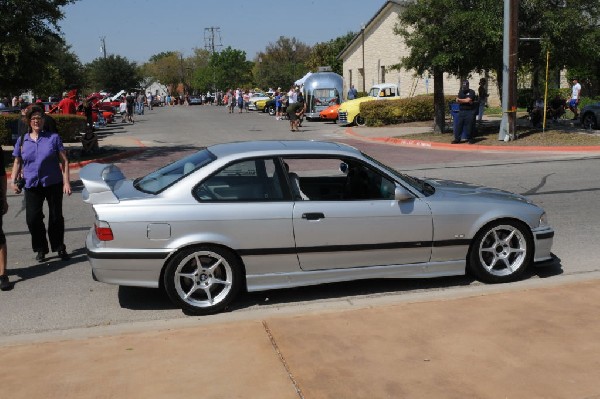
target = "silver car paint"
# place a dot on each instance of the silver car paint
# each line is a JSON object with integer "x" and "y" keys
{"x": 459, "y": 211}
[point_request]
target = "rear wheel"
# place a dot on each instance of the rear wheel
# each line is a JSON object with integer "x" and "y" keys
{"x": 501, "y": 252}
{"x": 589, "y": 121}
{"x": 271, "y": 110}
{"x": 203, "y": 280}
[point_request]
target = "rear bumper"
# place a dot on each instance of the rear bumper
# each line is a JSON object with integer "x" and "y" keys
{"x": 140, "y": 268}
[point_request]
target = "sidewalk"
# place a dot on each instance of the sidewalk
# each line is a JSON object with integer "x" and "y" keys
{"x": 524, "y": 343}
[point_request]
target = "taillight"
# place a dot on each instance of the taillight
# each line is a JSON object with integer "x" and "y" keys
{"x": 103, "y": 231}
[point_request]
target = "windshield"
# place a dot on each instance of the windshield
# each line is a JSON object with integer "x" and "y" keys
{"x": 157, "y": 181}
{"x": 420, "y": 185}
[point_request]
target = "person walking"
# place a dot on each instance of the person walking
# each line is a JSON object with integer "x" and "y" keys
{"x": 41, "y": 160}
{"x": 130, "y": 100}
{"x": 466, "y": 118}
{"x": 67, "y": 105}
{"x": 5, "y": 283}
{"x": 483, "y": 95}
{"x": 352, "y": 93}
{"x": 575, "y": 95}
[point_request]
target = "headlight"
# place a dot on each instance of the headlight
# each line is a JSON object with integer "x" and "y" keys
{"x": 543, "y": 220}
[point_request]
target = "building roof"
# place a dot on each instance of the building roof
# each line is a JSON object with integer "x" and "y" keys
{"x": 385, "y": 5}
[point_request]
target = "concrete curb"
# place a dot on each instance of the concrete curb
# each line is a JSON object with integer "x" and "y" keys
{"x": 468, "y": 147}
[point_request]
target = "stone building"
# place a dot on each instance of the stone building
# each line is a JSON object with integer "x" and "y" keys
{"x": 368, "y": 57}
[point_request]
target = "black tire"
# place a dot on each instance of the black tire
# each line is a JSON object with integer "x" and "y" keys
{"x": 271, "y": 110}
{"x": 589, "y": 121}
{"x": 501, "y": 252}
{"x": 359, "y": 120}
{"x": 203, "y": 280}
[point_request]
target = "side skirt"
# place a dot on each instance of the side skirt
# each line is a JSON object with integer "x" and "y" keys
{"x": 260, "y": 282}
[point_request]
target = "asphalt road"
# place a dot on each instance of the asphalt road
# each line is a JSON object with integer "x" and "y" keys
{"x": 62, "y": 295}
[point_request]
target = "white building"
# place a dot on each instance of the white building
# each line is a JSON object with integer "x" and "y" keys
{"x": 368, "y": 57}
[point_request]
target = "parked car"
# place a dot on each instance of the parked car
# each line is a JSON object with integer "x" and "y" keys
{"x": 330, "y": 113}
{"x": 270, "y": 107}
{"x": 260, "y": 105}
{"x": 275, "y": 214}
{"x": 349, "y": 111}
{"x": 254, "y": 97}
{"x": 195, "y": 100}
{"x": 590, "y": 115}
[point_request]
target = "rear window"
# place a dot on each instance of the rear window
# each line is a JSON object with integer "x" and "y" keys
{"x": 159, "y": 180}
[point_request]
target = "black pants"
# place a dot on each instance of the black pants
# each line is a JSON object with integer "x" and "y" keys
{"x": 34, "y": 203}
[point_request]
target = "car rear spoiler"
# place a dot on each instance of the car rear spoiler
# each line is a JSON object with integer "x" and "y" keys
{"x": 100, "y": 181}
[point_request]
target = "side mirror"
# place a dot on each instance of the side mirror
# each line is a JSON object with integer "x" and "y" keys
{"x": 344, "y": 167}
{"x": 402, "y": 194}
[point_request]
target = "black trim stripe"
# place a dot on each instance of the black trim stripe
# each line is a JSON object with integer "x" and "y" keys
{"x": 543, "y": 236}
{"x": 292, "y": 250}
{"x": 351, "y": 248}
{"x": 125, "y": 255}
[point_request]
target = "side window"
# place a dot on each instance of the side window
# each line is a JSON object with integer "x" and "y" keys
{"x": 247, "y": 180}
{"x": 336, "y": 179}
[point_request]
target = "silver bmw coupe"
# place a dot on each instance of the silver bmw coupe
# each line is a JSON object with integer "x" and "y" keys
{"x": 261, "y": 215}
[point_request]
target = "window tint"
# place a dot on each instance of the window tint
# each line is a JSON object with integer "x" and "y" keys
{"x": 164, "y": 177}
{"x": 335, "y": 179}
{"x": 247, "y": 180}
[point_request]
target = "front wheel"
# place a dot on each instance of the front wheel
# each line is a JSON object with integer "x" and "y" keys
{"x": 271, "y": 110}
{"x": 203, "y": 280}
{"x": 501, "y": 252}
{"x": 359, "y": 120}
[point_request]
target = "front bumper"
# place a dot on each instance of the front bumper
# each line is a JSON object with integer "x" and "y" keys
{"x": 543, "y": 238}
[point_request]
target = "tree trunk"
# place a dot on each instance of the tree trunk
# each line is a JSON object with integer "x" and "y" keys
{"x": 439, "y": 101}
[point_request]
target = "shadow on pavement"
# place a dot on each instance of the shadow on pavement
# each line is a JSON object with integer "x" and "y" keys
{"x": 136, "y": 298}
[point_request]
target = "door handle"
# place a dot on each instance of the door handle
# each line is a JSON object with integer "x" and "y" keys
{"x": 313, "y": 216}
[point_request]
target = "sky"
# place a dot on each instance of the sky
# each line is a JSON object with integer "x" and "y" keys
{"x": 138, "y": 29}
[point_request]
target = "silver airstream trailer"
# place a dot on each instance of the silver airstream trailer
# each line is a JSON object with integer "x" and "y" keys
{"x": 321, "y": 90}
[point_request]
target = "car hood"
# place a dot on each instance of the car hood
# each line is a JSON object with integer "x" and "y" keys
{"x": 350, "y": 103}
{"x": 459, "y": 189}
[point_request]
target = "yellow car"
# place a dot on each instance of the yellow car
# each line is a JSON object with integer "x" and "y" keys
{"x": 260, "y": 104}
{"x": 349, "y": 111}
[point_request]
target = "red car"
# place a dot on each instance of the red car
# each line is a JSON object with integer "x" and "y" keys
{"x": 330, "y": 113}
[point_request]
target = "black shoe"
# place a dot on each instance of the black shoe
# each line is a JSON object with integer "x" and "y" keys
{"x": 471, "y": 141}
{"x": 62, "y": 254}
{"x": 5, "y": 284}
{"x": 41, "y": 256}
{"x": 455, "y": 142}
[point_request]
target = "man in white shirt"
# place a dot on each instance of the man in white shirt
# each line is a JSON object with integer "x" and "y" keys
{"x": 574, "y": 101}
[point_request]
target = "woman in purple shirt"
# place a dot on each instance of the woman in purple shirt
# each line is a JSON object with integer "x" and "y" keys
{"x": 39, "y": 156}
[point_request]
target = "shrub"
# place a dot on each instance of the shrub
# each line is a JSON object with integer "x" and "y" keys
{"x": 69, "y": 126}
{"x": 402, "y": 110}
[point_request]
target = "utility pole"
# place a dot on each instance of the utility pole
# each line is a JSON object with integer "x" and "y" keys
{"x": 103, "y": 45}
{"x": 509, "y": 71}
{"x": 212, "y": 39}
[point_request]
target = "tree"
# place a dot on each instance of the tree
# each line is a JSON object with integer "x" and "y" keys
{"x": 112, "y": 73}
{"x": 165, "y": 67}
{"x": 452, "y": 36}
{"x": 226, "y": 69}
{"x": 282, "y": 63}
{"x": 64, "y": 71}
{"x": 326, "y": 53}
{"x": 28, "y": 29}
